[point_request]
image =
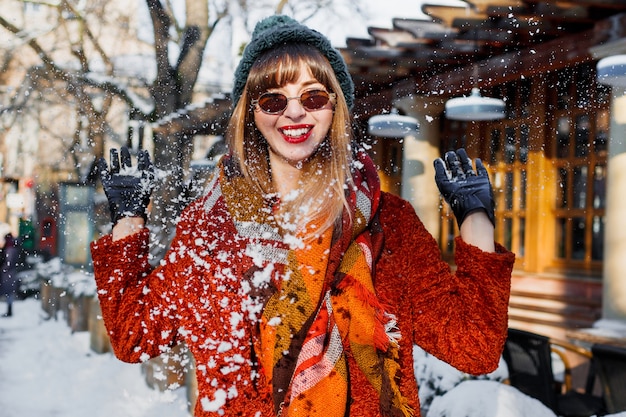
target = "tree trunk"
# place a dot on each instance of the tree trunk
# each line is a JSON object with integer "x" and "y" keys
{"x": 172, "y": 90}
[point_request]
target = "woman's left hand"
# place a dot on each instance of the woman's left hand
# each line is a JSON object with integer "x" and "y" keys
{"x": 465, "y": 189}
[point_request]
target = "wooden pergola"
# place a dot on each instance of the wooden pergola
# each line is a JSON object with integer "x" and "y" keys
{"x": 484, "y": 43}
{"x": 503, "y": 47}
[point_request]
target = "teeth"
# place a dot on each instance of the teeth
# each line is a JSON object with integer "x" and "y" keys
{"x": 295, "y": 132}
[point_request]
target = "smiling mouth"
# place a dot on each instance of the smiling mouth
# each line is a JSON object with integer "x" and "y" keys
{"x": 296, "y": 135}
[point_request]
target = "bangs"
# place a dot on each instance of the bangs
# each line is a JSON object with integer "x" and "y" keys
{"x": 281, "y": 65}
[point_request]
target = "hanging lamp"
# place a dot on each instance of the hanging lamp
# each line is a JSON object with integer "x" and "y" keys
{"x": 475, "y": 107}
{"x": 612, "y": 70}
{"x": 392, "y": 125}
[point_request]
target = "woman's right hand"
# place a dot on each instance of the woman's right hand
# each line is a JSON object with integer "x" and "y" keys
{"x": 128, "y": 190}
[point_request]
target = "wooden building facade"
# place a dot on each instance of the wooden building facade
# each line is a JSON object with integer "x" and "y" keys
{"x": 550, "y": 158}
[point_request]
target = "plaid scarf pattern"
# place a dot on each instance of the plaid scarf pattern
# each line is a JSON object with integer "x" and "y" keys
{"x": 315, "y": 300}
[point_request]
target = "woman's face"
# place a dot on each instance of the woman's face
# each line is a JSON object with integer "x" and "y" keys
{"x": 294, "y": 134}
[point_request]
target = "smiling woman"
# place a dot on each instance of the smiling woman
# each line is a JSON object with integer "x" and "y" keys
{"x": 297, "y": 284}
{"x": 287, "y": 153}
{"x": 295, "y": 134}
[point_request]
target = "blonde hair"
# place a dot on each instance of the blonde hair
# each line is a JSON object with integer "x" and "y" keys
{"x": 324, "y": 176}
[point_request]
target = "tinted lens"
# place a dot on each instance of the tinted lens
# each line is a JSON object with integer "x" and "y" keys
{"x": 272, "y": 102}
{"x": 314, "y": 100}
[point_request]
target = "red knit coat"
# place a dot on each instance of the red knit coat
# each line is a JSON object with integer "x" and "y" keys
{"x": 459, "y": 317}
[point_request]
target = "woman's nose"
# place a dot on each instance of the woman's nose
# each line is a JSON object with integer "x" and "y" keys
{"x": 294, "y": 108}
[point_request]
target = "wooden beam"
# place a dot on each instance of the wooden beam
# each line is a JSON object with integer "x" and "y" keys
{"x": 445, "y": 14}
{"x": 540, "y": 58}
{"x": 607, "y": 4}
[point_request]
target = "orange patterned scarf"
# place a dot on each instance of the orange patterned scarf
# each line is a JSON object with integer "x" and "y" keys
{"x": 318, "y": 301}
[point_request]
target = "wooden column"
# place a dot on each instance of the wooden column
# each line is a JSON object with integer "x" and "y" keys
{"x": 614, "y": 292}
{"x": 540, "y": 193}
{"x": 419, "y": 152}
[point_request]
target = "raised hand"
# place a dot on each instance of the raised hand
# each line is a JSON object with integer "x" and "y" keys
{"x": 128, "y": 189}
{"x": 465, "y": 189}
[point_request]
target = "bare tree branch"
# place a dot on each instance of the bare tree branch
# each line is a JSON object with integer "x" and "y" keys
{"x": 45, "y": 58}
{"x": 84, "y": 29}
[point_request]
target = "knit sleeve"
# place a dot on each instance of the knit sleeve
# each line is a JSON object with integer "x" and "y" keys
{"x": 133, "y": 298}
{"x": 459, "y": 317}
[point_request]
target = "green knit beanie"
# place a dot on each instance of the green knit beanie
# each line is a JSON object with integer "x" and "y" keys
{"x": 280, "y": 29}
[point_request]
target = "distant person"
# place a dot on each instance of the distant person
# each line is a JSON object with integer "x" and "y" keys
{"x": 9, "y": 284}
{"x": 297, "y": 284}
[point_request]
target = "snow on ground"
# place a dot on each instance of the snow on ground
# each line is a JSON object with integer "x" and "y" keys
{"x": 487, "y": 398}
{"x": 447, "y": 392}
{"x": 46, "y": 371}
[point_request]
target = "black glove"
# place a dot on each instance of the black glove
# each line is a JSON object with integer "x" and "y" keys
{"x": 128, "y": 190}
{"x": 464, "y": 189}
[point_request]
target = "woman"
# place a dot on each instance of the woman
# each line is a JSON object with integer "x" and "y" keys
{"x": 9, "y": 282}
{"x": 300, "y": 287}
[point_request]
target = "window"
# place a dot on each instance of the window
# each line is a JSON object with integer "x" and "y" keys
{"x": 31, "y": 7}
{"x": 507, "y": 155}
{"x": 508, "y": 158}
{"x": 580, "y": 133}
